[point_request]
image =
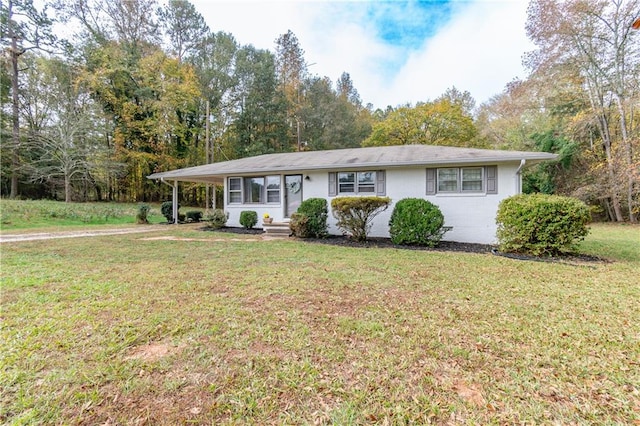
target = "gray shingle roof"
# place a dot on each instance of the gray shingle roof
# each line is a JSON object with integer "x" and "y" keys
{"x": 351, "y": 158}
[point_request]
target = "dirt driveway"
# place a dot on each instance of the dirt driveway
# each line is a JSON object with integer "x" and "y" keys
{"x": 34, "y": 236}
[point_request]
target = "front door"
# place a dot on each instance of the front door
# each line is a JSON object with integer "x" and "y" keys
{"x": 292, "y": 194}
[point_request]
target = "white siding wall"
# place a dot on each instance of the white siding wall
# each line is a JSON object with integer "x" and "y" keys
{"x": 472, "y": 216}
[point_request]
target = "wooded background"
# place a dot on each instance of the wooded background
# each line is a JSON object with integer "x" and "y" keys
{"x": 90, "y": 115}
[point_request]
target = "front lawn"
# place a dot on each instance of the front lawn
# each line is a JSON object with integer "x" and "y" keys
{"x": 28, "y": 214}
{"x": 180, "y": 326}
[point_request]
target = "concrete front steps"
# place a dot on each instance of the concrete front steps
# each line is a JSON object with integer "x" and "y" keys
{"x": 276, "y": 229}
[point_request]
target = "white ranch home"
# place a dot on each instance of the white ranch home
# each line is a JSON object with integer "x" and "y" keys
{"x": 467, "y": 184}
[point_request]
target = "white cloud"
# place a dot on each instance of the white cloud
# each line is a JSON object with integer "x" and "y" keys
{"x": 478, "y": 50}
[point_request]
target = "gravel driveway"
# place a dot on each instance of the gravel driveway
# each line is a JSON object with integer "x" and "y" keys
{"x": 34, "y": 236}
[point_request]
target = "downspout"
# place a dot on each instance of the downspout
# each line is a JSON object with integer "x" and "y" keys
{"x": 519, "y": 176}
{"x": 174, "y": 198}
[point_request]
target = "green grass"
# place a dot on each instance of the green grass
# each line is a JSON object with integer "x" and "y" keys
{"x": 235, "y": 330}
{"x": 24, "y": 214}
{"x": 615, "y": 241}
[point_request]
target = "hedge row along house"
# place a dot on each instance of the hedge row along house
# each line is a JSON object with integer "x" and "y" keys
{"x": 467, "y": 184}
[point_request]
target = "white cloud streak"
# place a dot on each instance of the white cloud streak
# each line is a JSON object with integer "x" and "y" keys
{"x": 479, "y": 49}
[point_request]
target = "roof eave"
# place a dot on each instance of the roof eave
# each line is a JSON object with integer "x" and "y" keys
{"x": 216, "y": 177}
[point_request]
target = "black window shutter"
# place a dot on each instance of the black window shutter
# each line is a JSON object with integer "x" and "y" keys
{"x": 431, "y": 181}
{"x": 333, "y": 185}
{"x": 381, "y": 184}
{"x": 492, "y": 179}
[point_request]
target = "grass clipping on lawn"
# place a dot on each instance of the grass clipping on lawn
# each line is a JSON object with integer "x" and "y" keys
{"x": 229, "y": 330}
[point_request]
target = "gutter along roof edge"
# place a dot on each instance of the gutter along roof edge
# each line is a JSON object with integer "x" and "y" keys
{"x": 204, "y": 174}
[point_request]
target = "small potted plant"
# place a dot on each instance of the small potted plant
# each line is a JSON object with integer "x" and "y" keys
{"x": 266, "y": 219}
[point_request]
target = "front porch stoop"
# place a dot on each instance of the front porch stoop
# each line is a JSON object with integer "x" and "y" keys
{"x": 276, "y": 229}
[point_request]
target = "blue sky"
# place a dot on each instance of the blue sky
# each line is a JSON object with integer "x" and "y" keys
{"x": 407, "y": 24}
{"x": 396, "y": 51}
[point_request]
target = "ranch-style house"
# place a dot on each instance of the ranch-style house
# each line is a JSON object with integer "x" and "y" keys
{"x": 466, "y": 184}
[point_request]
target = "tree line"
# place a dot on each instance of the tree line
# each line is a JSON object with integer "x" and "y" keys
{"x": 141, "y": 87}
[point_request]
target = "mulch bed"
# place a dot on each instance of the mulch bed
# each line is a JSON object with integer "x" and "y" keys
{"x": 443, "y": 246}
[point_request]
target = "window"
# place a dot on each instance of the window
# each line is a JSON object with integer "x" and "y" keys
{"x": 357, "y": 182}
{"x": 254, "y": 190}
{"x": 454, "y": 179}
{"x": 273, "y": 189}
{"x": 346, "y": 182}
{"x": 448, "y": 180}
{"x": 472, "y": 179}
{"x": 367, "y": 182}
{"x": 462, "y": 180}
{"x": 235, "y": 190}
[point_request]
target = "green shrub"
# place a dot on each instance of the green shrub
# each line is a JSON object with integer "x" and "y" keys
{"x": 540, "y": 224}
{"x": 216, "y": 218}
{"x": 310, "y": 220}
{"x": 355, "y": 214}
{"x": 248, "y": 218}
{"x": 299, "y": 225}
{"x": 416, "y": 221}
{"x": 143, "y": 213}
{"x": 194, "y": 216}
{"x": 167, "y": 211}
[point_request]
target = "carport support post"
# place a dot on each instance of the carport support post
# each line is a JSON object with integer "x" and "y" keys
{"x": 519, "y": 176}
{"x": 175, "y": 202}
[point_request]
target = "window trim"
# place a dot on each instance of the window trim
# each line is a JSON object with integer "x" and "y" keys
{"x": 368, "y": 185}
{"x": 277, "y": 190}
{"x": 482, "y": 180}
{"x": 488, "y": 180}
{"x": 378, "y": 183}
{"x": 350, "y": 182}
{"x": 439, "y": 181}
{"x": 234, "y": 191}
{"x": 264, "y": 194}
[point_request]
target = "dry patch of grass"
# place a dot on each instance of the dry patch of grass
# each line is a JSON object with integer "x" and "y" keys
{"x": 230, "y": 330}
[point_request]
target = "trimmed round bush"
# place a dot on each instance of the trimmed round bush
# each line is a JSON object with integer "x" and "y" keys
{"x": 355, "y": 215}
{"x": 248, "y": 218}
{"x": 310, "y": 220}
{"x": 540, "y": 224}
{"x": 415, "y": 221}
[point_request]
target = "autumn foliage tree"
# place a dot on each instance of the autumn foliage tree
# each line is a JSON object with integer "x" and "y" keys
{"x": 592, "y": 43}
{"x": 441, "y": 122}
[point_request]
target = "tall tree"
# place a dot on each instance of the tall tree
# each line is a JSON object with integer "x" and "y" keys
{"x": 507, "y": 120}
{"x": 260, "y": 126}
{"x": 150, "y": 102}
{"x": 291, "y": 69}
{"x": 63, "y": 141}
{"x": 329, "y": 118}
{"x": 134, "y": 22}
{"x": 464, "y": 99}
{"x": 594, "y": 41}
{"x": 184, "y": 26}
{"x": 24, "y": 28}
{"x": 215, "y": 65}
{"x": 88, "y": 18}
{"x": 347, "y": 90}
